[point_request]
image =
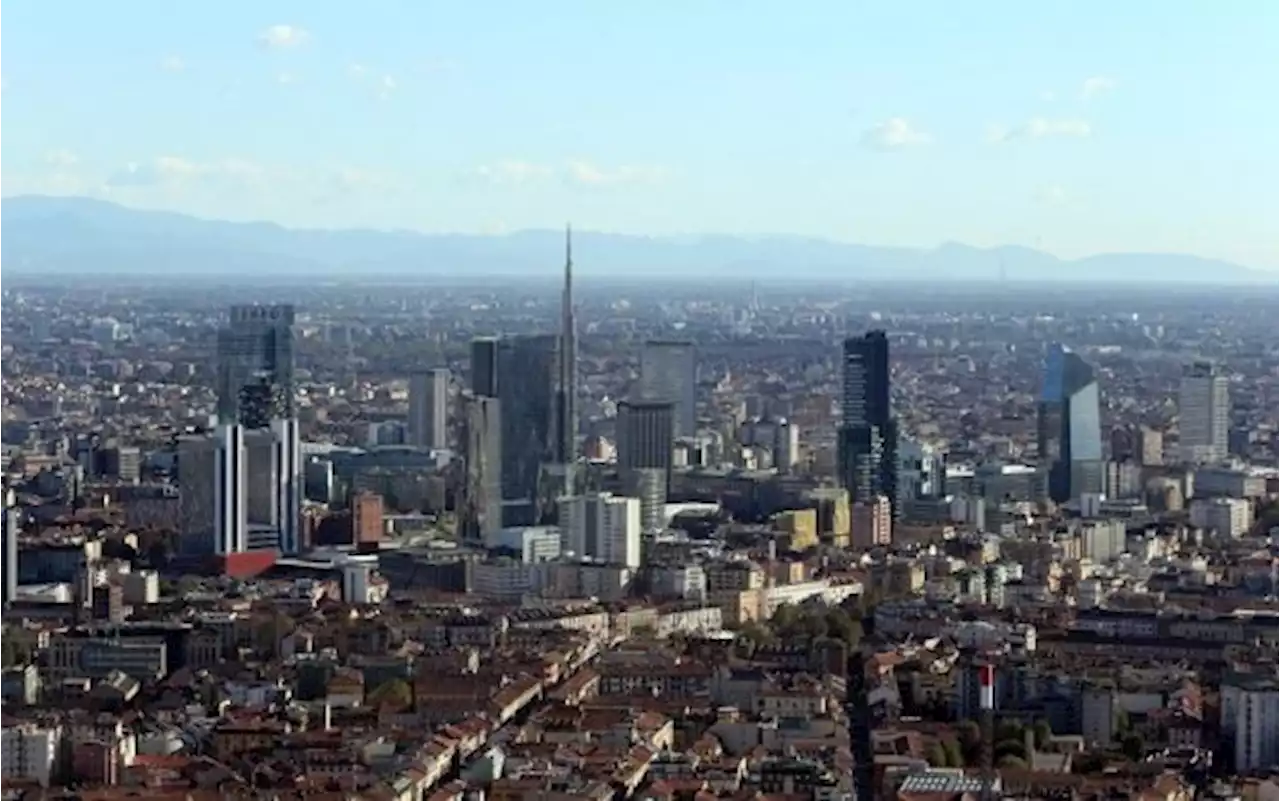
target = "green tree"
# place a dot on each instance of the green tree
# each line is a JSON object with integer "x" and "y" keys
{"x": 1043, "y": 733}
{"x": 395, "y": 694}
{"x": 937, "y": 755}
{"x": 1006, "y": 748}
{"x": 1011, "y": 762}
{"x": 969, "y": 735}
{"x": 954, "y": 753}
{"x": 1132, "y": 745}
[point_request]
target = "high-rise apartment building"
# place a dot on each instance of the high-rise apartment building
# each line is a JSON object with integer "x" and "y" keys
{"x": 669, "y": 372}
{"x": 1069, "y": 427}
{"x": 1204, "y": 414}
{"x": 867, "y": 442}
{"x": 256, "y": 346}
{"x": 481, "y": 514}
{"x": 602, "y": 527}
{"x": 429, "y": 409}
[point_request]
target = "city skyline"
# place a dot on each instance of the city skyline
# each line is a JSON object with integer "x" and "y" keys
{"x": 876, "y": 126}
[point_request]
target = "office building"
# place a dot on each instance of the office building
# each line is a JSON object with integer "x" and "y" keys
{"x": 644, "y": 434}
{"x": 1069, "y": 429}
{"x": 1150, "y": 446}
{"x": 10, "y": 530}
{"x": 602, "y": 527}
{"x": 481, "y": 514}
{"x": 645, "y": 447}
{"x": 1227, "y": 518}
{"x": 521, "y": 373}
{"x": 669, "y": 372}
{"x": 871, "y": 523}
{"x": 867, "y": 441}
{"x": 1249, "y": 715}
{"x": 1204, "y": 415}
{"x": 429, "y": 409}
{"x": 256, "y": 346}
{"x": 213, "y": 482}
{"x": 786, "y": 446}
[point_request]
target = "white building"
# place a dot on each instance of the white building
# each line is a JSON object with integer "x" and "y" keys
{"x": 669, "y": 372}
{"x": 1204, "y": 414}
{"x": 1225, "y": 517}
{"x": 602, "y": 527}
{"x": 1250, "y": 711}
{"x": 357, "y": 582}
{"x": 429, "y": 409}
{"x": 29, "y": 752}
{"x": 532, "y": 544}
{"x": 1102, "y": 540}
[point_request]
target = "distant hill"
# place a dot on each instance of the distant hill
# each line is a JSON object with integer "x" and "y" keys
{"x": 60, "y": 235}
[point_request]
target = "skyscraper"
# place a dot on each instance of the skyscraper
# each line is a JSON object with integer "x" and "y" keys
{"x": 645, "y": 444}
{"x": 868, "y": 438}
{"x": 10, "y": 530}
{"x": 256, "y": 346}
{"x": 521, "y": 372}
{"x": 1204, "y": 414}
{"x": 213, "y": 481}
{"x": 669, "y": 372}
{"x": 567, "y": 390}
{"x": 484, "y": 367}
{"x": 429, "y": 409}
{"x": 481, "y": 513}
{"x": 1069, "y": 427}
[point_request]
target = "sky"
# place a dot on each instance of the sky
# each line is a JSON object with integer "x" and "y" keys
{"x": 1073, "y": 127}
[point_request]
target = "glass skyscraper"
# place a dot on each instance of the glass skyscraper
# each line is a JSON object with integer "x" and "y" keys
{"x": 868, "y": 437}
{"x": 1069, "y": 426}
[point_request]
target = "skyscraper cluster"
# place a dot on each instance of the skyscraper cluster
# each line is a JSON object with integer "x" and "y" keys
{"x": 521, "y": 424}
{"x": 241, "y": 483}
{"x": 868, "y": 437}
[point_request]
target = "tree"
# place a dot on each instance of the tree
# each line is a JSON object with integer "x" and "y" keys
{"x": 1011, "y": 762}
{"x": 937, "y": 755}
{"x": 969, "y": 735}
{"x": 1006, "y": 748}
{"x": 1133, "y": 746}
{"x": 954, "y": 754}
{"x": 393, "y": 694}
{"x": 1043, "y": 733}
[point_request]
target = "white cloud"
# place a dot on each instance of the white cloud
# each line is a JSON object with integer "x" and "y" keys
{"x": 283, "y": 37}
{"x": 357, "y": 70}
{"x": 61, "y": 158}
{"x": 285, "y": 78}
{"x": 386, "y": 86}
{"x": 588, "y": 174}
{"x": 1040, "y": 128}
{"x": 893, "y": 134}
{"x": 173, "y": 64}
{"x": 1048, "y": 95}
{"x": 1092, "y": 87}
{"x": 171, "y": 170}
{"x": 352, "y": 179}
{"x": 513, "y": 172}
{"x": 1051, "y": 195}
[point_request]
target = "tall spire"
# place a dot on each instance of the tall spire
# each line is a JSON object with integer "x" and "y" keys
{"x": 568, "y": 379}
{"x": 568, "y": 261}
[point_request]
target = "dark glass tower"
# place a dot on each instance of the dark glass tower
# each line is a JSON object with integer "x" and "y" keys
{"x": 256, "y": 345}
{"x": 868, "y": 438}
{"x": 520, "y": 372}
{"x": 1069, "y": 426}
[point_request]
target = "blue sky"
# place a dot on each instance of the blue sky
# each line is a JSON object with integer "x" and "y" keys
{"x": 1076, "y": 127}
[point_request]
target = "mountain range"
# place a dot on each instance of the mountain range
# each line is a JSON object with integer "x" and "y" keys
{"x": 82, "y": 236}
